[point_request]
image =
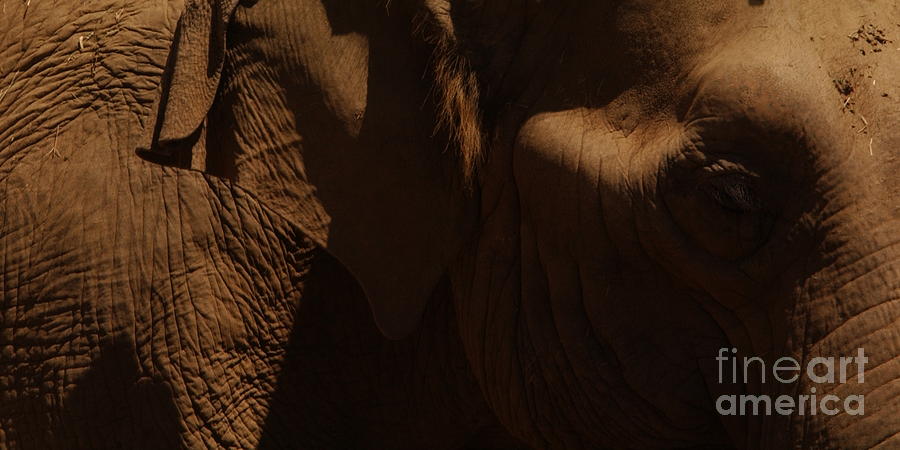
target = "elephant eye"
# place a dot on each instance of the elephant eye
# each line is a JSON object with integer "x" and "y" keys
{"x": 734, "y": 193}
{"x": 724, "y": 211}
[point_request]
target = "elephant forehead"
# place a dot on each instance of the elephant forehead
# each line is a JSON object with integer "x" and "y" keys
{"x": 779, "y": 63}
{"x": 692, "y": 24}
{"x": 652, "y": 39}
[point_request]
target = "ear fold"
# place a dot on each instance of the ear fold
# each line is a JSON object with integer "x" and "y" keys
{"x": 191, "y": 80}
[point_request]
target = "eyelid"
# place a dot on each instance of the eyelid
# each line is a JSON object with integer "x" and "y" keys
{"x": 721, "y": 166}
{"x": 713, "y": 155}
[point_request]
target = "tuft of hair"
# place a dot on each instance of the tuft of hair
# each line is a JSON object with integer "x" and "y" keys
{"x": 455, "y": 89}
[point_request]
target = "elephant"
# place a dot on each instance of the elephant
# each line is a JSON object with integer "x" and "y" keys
{"x": 144, "y": 306}
{"x": 450, "y": 224}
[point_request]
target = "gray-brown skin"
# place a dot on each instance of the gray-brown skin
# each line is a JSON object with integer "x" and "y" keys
{"x": 592, "y": 282}
{"x": 143, "y": 306}
{"x": 662, "y": 179}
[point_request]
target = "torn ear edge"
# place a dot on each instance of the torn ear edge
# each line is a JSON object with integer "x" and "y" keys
{"x": 190, "y": 82}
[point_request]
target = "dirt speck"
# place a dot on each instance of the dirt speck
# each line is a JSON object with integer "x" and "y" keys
{"x": 844, "y": 86}
{"x": 871, "y": 36}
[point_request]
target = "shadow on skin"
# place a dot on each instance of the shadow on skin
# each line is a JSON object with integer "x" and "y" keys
{"x": 345, "y": 16}
{"x": 114, "y": 406}
{"x": 343, "y": 385}
{"x": 317, "y": 361}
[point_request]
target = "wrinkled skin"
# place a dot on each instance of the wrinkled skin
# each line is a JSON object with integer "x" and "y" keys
{"x": 149, "y": 307}
{"x": 115, "y": 272}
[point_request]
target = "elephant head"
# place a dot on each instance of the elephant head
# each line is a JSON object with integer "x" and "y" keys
{"x": 343, "y": 157}
{"x": 617, "y": 191}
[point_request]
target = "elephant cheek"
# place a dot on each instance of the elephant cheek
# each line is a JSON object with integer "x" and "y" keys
{"x": 853, "y": 337}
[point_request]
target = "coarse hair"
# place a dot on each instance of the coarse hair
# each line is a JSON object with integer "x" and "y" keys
{"x": 455, "y": 87}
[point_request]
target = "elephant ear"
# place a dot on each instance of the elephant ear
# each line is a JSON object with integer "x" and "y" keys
{"x": 191, "y": 80}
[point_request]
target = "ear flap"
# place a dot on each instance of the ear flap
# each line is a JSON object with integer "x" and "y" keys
{"x": 192, "y": 78}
